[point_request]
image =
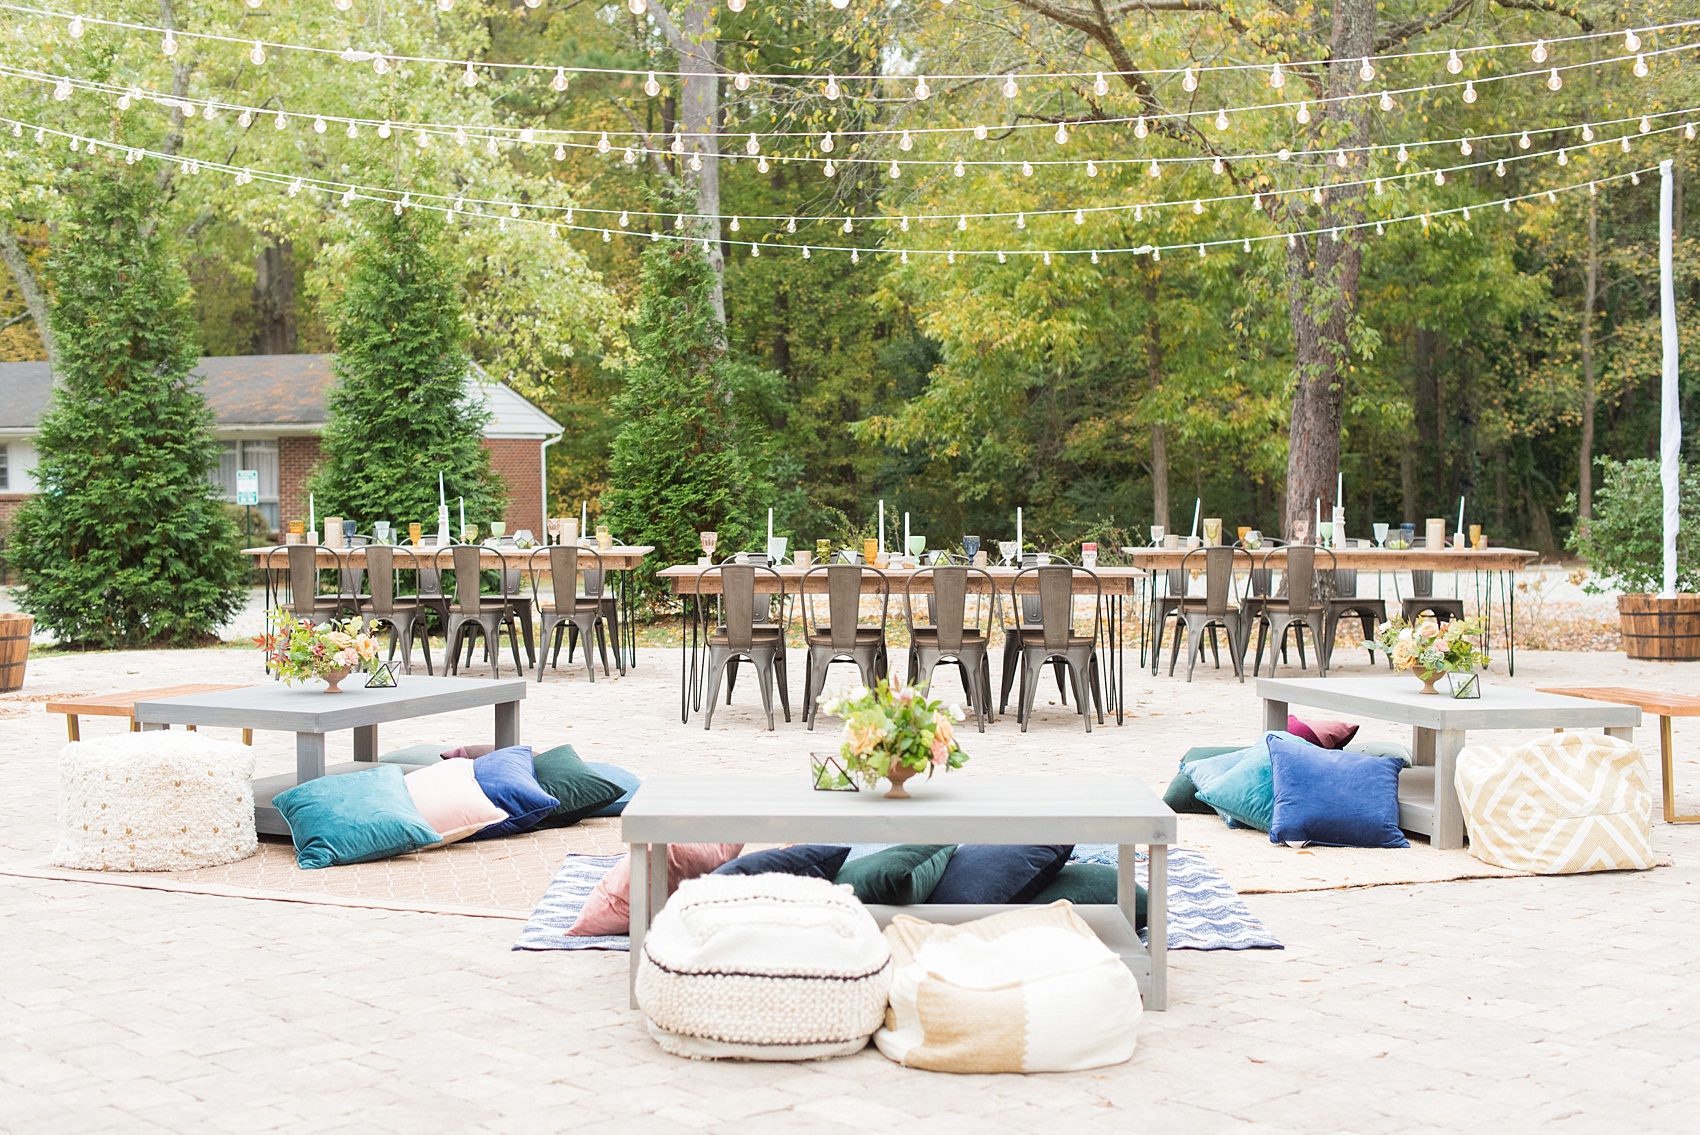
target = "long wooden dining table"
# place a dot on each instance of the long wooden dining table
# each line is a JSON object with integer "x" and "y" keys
{"x": 1490, "y": 568}
{"x": 621, "y": 559}
{"x": 1114, "y": 584}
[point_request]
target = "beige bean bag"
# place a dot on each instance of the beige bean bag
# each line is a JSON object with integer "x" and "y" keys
{"x": 763, "y": 967}
{"x": 164, "y": 800}
{"x": 1560, "y": 805}
{"x": 1022, "y": 991}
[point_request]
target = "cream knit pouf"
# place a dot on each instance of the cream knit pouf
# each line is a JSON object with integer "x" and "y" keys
{"x": 164, "y": 800}
{"x": 763, "y": 967}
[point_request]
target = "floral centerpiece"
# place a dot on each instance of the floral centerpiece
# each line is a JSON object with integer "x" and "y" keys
{"x": 1430, "y": 651}
{"x": 894, "y": 731}
{"x": 299, "y": 649}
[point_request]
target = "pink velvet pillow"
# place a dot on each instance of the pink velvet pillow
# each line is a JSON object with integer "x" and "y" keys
{"x": 1323, "y": 734}
{"x": 468, "y": 751}
{"x": 449, "y": 798}
{"x": 608, "y": 909}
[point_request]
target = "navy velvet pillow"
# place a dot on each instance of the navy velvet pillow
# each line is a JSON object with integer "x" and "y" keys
{"x": 815, "y": 861}
{"x": 614, "y": 774}
{"x": 1333, "y": 797}
{"x": 999, "y": 873}
{"x": 509, "y": 780}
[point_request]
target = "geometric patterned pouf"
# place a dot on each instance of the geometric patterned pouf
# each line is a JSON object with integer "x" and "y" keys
{"x": 163, "y": 800}
{"x": 1566, "y": 803}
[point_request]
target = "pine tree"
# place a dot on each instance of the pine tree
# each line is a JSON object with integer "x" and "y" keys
{"x": 399, "y": 412}
{"x": 676, "y": 467}
{"x": 126, "y": 543}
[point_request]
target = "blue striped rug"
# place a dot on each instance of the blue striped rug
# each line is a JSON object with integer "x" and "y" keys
{"x": 1205, "y": 913}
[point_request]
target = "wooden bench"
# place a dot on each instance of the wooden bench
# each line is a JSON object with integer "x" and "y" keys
{"x": 123, "y": 704}
{"x": 1666, "y": 706}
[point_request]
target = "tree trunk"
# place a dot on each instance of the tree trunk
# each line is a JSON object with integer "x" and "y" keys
{"x": 274, "y": 299}
{"x": 35, "y": 300}
{"x": 1159, "y": 432}
{"x": 1322, "y": 283}
{"x": 1590, "y": 294}
{"x": 699, "y": 113}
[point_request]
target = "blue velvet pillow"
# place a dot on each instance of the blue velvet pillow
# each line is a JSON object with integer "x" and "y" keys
{"x": 999, "y": 873}
{"x": 353, "y": 817}
{"x": 1246, "y": 793}
{"x": 508, "y": 778}
{"x": 1333, "y": 797}
{"x": 815, "y": 861}
{"x": 614, "y": 774}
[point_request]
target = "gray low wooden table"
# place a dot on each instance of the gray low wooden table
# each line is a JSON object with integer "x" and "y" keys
{"x": 310, "y": 713}
{"x": 961, "y": 807}
{"x": 1428, "y": 792}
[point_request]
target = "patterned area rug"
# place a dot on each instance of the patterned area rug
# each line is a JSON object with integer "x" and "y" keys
{"x": 1204, "y": 911}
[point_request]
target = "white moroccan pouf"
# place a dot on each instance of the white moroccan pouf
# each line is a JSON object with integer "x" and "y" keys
{"x": 1023, "y": 991}
{"x": 763, "y": 967}
{"x": 1563, "y": 804}
{"x": 164, "y": 800}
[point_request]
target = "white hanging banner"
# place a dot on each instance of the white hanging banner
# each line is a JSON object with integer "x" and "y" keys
{"x": 1670, "y": 418}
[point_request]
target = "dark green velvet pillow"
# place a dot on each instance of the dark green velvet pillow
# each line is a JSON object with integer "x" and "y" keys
{"x": 898, "y": 876}
{"x": 1090, "y": 884}
{"x": 580, "y": 791}
{"x": 1182, "y": 795}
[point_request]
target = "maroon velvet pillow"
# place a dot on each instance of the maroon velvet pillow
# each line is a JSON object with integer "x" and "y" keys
{"x": 1323, "y": 734}
{"x": 470, "y": 751}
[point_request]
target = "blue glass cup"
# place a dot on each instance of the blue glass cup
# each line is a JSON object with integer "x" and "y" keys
{"x": 970, "y": 547}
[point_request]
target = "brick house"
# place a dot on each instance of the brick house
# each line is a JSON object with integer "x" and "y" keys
{"x": 268, "y": 412}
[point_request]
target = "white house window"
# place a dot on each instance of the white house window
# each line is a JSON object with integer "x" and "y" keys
{"x": 5, "y": 469}
{"x": 258, "y": 454}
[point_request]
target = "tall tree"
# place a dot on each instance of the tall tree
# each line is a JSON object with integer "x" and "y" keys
{"x": 400, "y": 414}
{"x": 126, "y": 543}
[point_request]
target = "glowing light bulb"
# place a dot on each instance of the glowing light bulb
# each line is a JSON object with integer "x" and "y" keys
{"x": 1091, "y": 168}
{"x": 1189, "y": 81}
{"x": 1587, "y": 132}
{"x": 380, "y": 64}
{"x": 244, "y": 120}
{"x": 1555, "y": 80}
{"x": 894, "y": 171}
{"x": 320, "y": 125}
{"x": 1079, "y": 217}
{"x": 384, "y": 129}
{"x": 1140, "y": 130}
{"x": 1623, "y": 143}
{"x": 962, "y": 223}
{"x": 922, "y": 91}
{"x": 1154, "y": 170}
{"x": 830, "y": 168}
{"x": 168, "y": 45}
{"x": 741, "y": 80}
{"x": 1563, "y": 158}
{"x": 1277, "y": 78}
{"x": 651, "y": 86}
{"x": 606, "y": 236}
{"x": 295, "y": 188}
{"x": 1027, "y": 167}
{"x": 1222, "y": 119}
{"x": 257, "y": 55}
{"x": 1524, "y": 142}
{"x": 342, "y": 5}
{"x": 1470, "y": 91}
{"x": 1216, "y": 166}
{"x": 1316, "y": 195}
{"x": 1646, "y": 124}
{"x": 625, "y": 218}
{"x": 734, "y": 226}
{"x": 1010, "y": 90}
{"x": 1593, "y": 190}
{"x": 1403, "y": 155}
{"x": 678, "y": 143}
{"x": 959, "y": 170}
{"x": 1641, "y": 67}
{"x": 1539, "y": 55}
{"x": 1099, "y": 86}
{"x": 1340, "y": 158}
{"x": 1061, "y": 135}
{"x": 1197, "y": 208}
{"x": 1366, "y": 70}
{"x": 1439, "y": 177}
{"x": 560, "y": 152}
{"x": 1386, "y": 101}
{"x": 1304, "y": 112}
{"x": 805, "y": 252}
{"x": 469, "y": 77}
{"x": 791, "y": 224}
{"x": 280, "y": 121}
{"x": 1257, "y": 202}
{"x": 1283, "y": 154}
{"x": 602, "y": 143}
{"x": 735, "y": 5}
{"x": 1465, "y": 148}
{"x": 527, "y": 135}
{"x": 637, "y": 7}
{"x": 1688, "y": 132}
{"x": 832, "y": 88}
{"x": 761, "y": 164}
{"x": 352, "y": 131}
{"x": 755, "y": 249}
{"x": 904, "y": 224}
{"x": 1499, "y": 169}
{"x": 1631, "y": 41}
{"x": 348, "y": 196}
{"x": 559, "y": 82}
{"x": 1021, "y": 220}
{"x": 1379, "y": 190}
{"x": 124, "y": 101}
{"x": 980, "y": 132}
{"x": 855, "y": 256}
{"x": 1000, "y": 257}
{"x": 1453, "y": 63}
{"x": 1094, "y": 256}
{"x": 1047, "y": 258}
{"x": 826, "y": 143}
{"x": 753, "y": 146}
{"x": 75, "y": 27}
{"x": 445, "y": 5}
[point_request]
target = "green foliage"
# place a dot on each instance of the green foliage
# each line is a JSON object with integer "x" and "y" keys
{"x": 1624, "y": 543}
{"x": 126, "y": 543}
{"x": 399, "y": 414}
{"x": 678, "y": 466}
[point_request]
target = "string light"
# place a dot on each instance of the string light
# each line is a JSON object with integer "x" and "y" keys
{"x": 168, "y": 45}
{"x": 980, "y": 132}
{"x": 832, "y": 88}
{"x": 651, "y": 86}
{"x": 906, "y": 143}
{"x": 1099, "y": 86}
{"x": 922, "y": 91}
{"x": 1189, "y": 81}
{"x": 1641, "y": 69}
{"x": 1140, "y": 130}
{"x": 1010, "y": 90}
{"x": 741, "y": 80}
{"x": 1221, "y": 120}
{"x": 1061, "y": 135}
{"x": 469, "y": 77}
{"x": 1453, "y": 63}
{"x": 1539, "y": 54}
{"x": 1304, "y": 112}
{"x": 1276, "y": 78}
{"x": 258, "y": 55}
{"x": 559, "y": 82}
{"x": 1554, "y": 80}
{"x": 1470, "y": 92}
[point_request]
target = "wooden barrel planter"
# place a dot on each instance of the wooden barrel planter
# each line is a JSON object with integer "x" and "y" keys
{"x": 1660, "y": 629}
{"x": 14, "y": 650}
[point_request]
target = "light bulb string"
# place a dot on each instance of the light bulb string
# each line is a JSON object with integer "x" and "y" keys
{"x": 511, "y": 135}
{"x": 353, "y": 54}
{"x": 622, "y": 138}
{"x": 542, "y": 212}
{"x": 388, "y": 197}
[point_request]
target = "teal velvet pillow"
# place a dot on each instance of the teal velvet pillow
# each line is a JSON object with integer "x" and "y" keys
{"x": 1246, "y": 792}
{"x": 581, "y": 792}
{"x": 1182, "y": 794}
{"x": 1394, "y": 749}
{"x": 897, "y": 876}
{"x": 353, "y": 817}
{"x": 1090, "y": 884}
{"x": 614, "y": 774}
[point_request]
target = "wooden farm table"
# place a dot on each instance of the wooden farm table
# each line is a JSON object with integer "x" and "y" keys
{"x": 1665, "y": 707}
{"x": 1489, "y": 566}
{"x": 311, "y": 713}
{"x": 1117, "y": 583}
{"x": 1428, "y": 791}
{"x": 960, "y": 808}
{"x": 124, "y": 705}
